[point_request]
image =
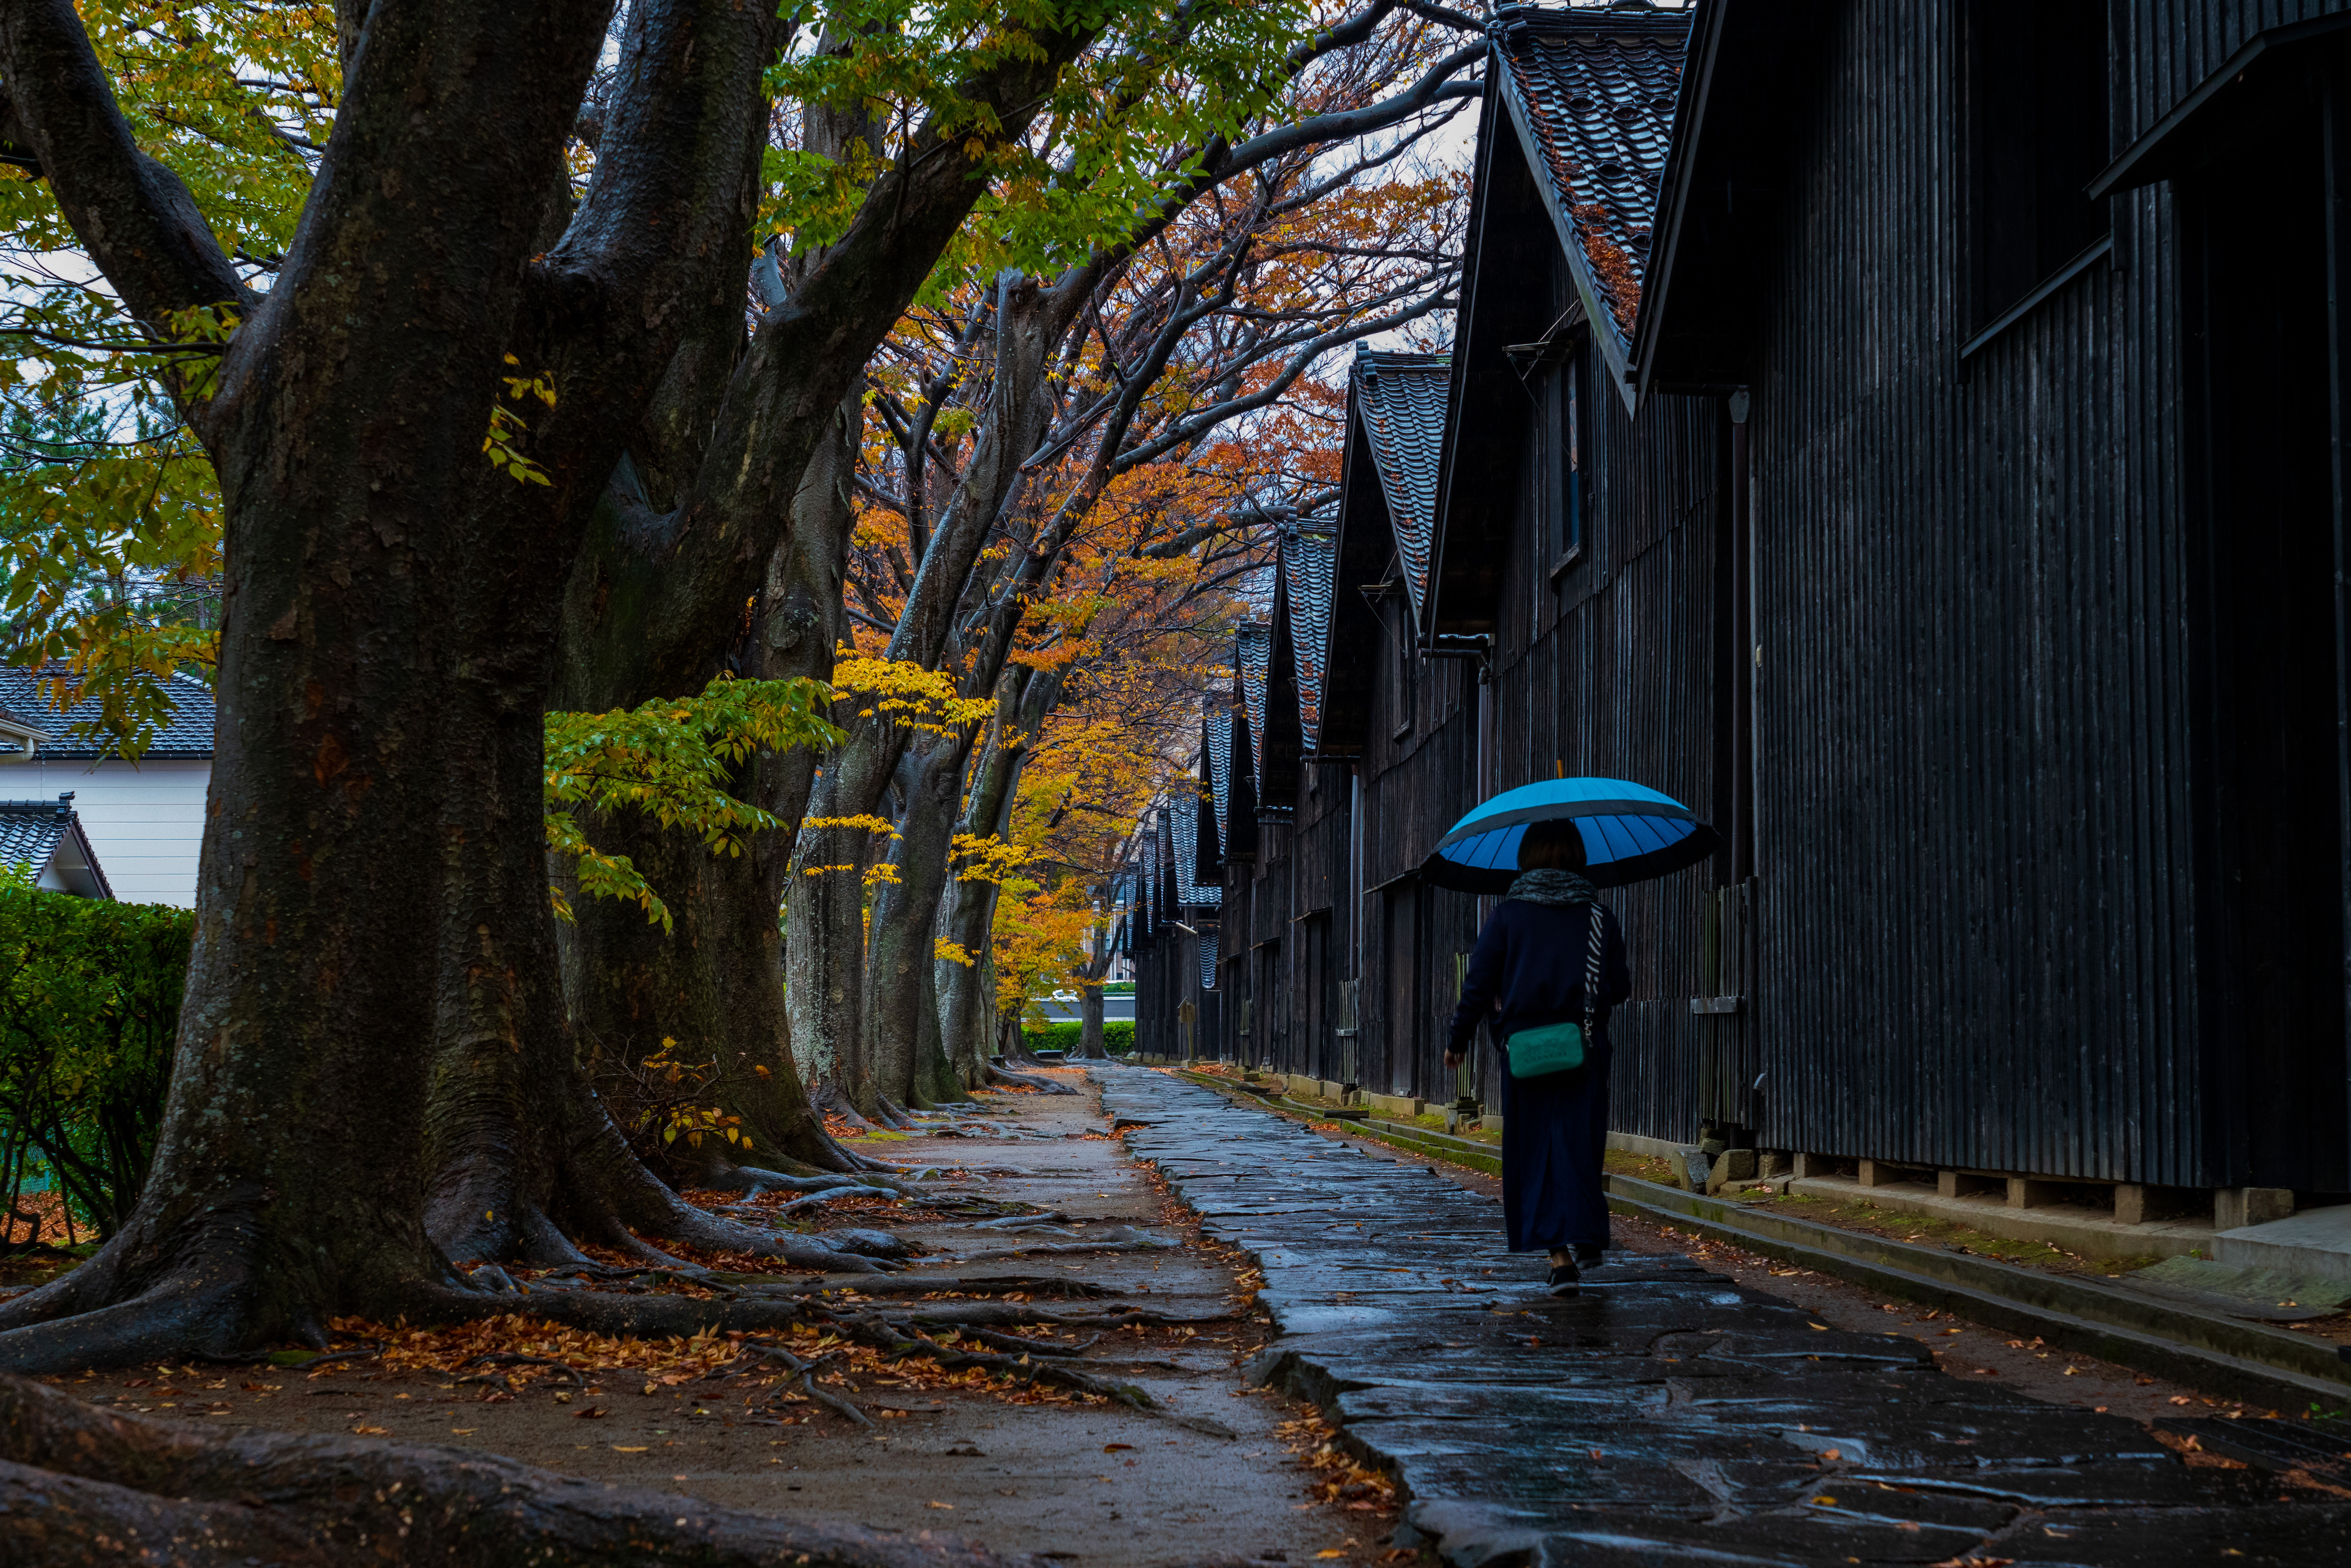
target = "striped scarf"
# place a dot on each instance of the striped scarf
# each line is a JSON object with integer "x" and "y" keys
{"x": 1559, "y": 889}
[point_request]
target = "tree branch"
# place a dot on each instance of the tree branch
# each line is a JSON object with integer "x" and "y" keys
{"x": 137, "y": 218}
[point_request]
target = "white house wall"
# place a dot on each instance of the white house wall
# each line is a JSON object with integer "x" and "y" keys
{"x": 145, "y": 821}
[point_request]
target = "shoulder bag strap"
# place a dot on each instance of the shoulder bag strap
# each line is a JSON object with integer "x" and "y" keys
{"x": 1592, "y": 968}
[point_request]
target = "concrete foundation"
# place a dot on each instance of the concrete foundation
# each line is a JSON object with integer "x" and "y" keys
{"x": 2074, "y": 1230}
{"x": 2317, "y": 1243}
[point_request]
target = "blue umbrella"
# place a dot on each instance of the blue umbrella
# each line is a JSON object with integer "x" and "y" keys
{"x": 1630, "y": 834}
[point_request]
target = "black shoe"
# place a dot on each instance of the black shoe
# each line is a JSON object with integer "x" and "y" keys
{"x": 1563, "y": 1279}
{"x": 1589, "y": 1257}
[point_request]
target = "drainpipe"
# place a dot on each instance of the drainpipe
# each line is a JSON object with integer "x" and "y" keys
{"x": 1748, "y": 652}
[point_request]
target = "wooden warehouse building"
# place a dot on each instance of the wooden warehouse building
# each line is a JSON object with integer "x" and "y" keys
{"x": 1908, "y": 437}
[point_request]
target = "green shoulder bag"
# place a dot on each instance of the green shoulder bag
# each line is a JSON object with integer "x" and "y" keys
{"x": 1555, "y": 1048}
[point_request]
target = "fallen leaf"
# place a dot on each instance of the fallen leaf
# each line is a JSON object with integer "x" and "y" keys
{"x": 617, "y": 1449}
{"x": 1116, "y": 1448}
{"x": 590, "y": 1413}
{"x": 370, "y": 1431}
{"x": 1833, "y": 1456}
{"x": 1331, "y": 1552}
{"x": 1825, "y": 1501}
{"x": 1822, "y": 1327}
{"x": 945, "y": 1505}
{"x": 465, "y": 1431}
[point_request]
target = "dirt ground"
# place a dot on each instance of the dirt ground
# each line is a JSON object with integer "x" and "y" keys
{"x": 1222, "y": 1477}
{"x": 1225, "y": 1474}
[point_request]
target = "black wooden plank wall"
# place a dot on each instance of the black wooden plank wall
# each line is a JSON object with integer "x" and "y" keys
{"x": 1974, "y": 833}
{"x": 2167, "y": 47}
{"x": 1612, "y": 674}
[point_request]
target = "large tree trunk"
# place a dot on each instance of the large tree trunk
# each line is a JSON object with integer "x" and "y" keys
{"x": 715, "y": 982}
{"x": 1089, "y": 1022}
{"x": 288, "y": 1180}
{"x": 901, "y": 946}
{"x": 824, "y": 921}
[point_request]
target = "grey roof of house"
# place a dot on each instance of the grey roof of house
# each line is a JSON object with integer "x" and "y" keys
{"x": 188, "y": 733}
{"x": 1253, "y": 655}
{"x": 1184, "y": 807}
{"x": 1309, "y": 558}
{"x": 1220, "y": 770}
{"x": 31, "y": 831}
{"x": 1401, "y": 399}
{"x": 1593, "y": 91}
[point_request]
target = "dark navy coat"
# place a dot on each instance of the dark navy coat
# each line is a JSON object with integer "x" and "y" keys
{"x": 1531, "y": 960}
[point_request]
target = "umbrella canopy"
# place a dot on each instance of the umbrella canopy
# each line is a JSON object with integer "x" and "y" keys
{"x": 1630, "y": 834}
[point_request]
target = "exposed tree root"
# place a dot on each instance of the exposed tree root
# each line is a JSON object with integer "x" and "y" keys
{"x": 1044, "y": 1085}
{"x": 804, "y": 1378}
{"x": 79, "y": 1485}
{"x": 1035, "y": 1364}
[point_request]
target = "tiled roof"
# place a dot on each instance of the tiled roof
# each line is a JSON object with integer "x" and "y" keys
{"x": 189, "y": 732}
{"x": 1310, "y": 560}
{"x": 1595, "y": 87}
{"x": 1220, "y": 770}
{"x": 1184, "y": 807}
{"x": 1253, "y": 655}
{"x": 31, "y": 831}
{"x": 1401, "y": 398}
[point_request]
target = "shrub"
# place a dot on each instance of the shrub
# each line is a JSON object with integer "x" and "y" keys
{"x": 1118, "y": 1036}
{"x": 90, "y": 1005}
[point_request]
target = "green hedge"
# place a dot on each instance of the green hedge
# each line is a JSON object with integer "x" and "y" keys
{"x": 89, "y": 1004}
{"x": 1118, "y": 1036}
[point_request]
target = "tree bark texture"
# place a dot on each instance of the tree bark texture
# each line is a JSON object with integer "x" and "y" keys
{"x": 967, "y": 993}
{"x": 1089, "y": 1022}
{"x": 824, "y": 921}
{"x": 383, "y": 664}
{"x": 906, "y": 1063}
{"x": 288, "y": 1180}
{"x": 715, "y": 982}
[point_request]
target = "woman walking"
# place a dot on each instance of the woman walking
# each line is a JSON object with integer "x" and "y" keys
{"x": 1531, "y": 975}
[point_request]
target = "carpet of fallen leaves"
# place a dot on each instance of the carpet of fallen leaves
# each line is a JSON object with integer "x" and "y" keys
{"x": 40, "y": 1217}
{"x": 1345, "y": 1483}
{"x": 509, "y": 1354}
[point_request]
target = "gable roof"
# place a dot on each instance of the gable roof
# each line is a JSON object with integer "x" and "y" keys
{"x": 1399, "y": 409}
{"x": 1591, "y": 92}
{"x": 1310, "y": 560}
{"x": 188, "y": 734}
{"x": 1218, "y": 746}
{"x": 1191, "y": 889}
{"x": 46, "y": 837}
{"x": 1749, "y": 62}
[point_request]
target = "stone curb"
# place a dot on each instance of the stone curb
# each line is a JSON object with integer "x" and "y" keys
{"x": 2236, "y": 1359}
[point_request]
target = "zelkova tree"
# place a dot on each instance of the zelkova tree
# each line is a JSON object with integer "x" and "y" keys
{"x": 414, "y": 408}
{"x": 706, "y": 563}
{"x": 1137, "y": 353}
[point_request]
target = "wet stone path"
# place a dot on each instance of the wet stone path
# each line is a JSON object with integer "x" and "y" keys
{"x": 1665, "y": 1415}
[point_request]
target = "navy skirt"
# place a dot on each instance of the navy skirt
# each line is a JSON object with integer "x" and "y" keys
{"x": 1554, "y": 1131}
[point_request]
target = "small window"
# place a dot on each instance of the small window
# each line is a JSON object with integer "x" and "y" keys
{"x": 2037, "y": 79}
{"x": 1406, "y": 683}
{"x": 1565, "y": 508}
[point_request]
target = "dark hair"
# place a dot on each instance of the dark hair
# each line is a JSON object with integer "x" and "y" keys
{"x": 1552, "y": 846}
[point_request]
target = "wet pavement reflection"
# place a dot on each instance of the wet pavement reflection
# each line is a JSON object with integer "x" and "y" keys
{"x": 1666, "y": 1415}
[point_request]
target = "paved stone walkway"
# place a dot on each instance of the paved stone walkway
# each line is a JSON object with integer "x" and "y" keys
{"x": 1666, "y": 1416}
